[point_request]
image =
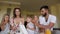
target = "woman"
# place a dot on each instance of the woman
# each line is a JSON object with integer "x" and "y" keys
{"x": 17, "y": 23}
{"x": 5, "y": 26}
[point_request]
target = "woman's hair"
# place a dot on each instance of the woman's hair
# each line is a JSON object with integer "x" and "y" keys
{"x": 14, "y": 15}
{"x": 3, "y": 19}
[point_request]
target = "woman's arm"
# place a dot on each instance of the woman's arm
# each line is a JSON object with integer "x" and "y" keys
{"x": 23, "y": 29}
{"x": 12, "y": 24}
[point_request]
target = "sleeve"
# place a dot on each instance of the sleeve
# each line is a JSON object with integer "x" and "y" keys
{"x": 53, "y": 19}
{"x": 23, "y": 29}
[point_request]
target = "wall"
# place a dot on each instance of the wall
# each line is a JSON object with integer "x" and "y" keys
{"x": 3, "y": 9}
{"x": 55, "y": 10}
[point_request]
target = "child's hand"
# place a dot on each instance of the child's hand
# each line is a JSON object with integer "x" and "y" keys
{"x": 2, "y": 27}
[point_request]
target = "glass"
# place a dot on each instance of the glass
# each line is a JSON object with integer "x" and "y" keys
{"x": 47, "y": 31}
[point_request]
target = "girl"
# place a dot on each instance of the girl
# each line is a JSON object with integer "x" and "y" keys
{"x": 36, "y": 29}
{"x": 5, "y": 26}
{"x": 17, "y": 23}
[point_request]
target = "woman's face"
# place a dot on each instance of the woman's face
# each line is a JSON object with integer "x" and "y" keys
{"x": 17, "y": 12}
{"x": 6, "y": 18}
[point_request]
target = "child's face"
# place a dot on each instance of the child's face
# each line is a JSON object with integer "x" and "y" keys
{"x": 35, "y": 18}
{"x": 28, "y": 19}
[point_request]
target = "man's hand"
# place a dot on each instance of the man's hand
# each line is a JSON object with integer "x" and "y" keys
{"x": 37, "y": 24}
{"x": 50, "y": 25}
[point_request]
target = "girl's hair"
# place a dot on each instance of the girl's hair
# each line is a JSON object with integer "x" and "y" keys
{"x": 3, "y": 19}
{"x": 14, "y": 15}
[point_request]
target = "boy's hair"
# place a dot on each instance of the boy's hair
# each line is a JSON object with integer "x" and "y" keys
{"x": 30, "y": 16}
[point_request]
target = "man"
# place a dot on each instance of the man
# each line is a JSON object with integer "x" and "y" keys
{"x": 46, "y": 20}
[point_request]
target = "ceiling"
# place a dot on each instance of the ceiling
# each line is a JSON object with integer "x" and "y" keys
{"x": 34, "y": 5}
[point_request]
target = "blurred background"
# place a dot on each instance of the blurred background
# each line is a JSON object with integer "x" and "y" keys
{"x": 30, "y": 7}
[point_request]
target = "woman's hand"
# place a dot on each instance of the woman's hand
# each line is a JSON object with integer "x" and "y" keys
{"x": 13, "y": 28}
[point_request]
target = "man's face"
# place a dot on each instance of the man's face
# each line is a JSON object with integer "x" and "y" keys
{"x": 44, "y": 12}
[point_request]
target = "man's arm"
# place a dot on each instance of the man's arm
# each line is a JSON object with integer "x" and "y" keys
{"x": 50, "y": 25}
{"x": 38, "y": 25}
{"x": 52, "y": 22}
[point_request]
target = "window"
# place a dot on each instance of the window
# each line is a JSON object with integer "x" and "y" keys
{"x": 8, "y": 11}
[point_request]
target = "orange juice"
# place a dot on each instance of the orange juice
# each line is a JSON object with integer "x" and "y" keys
{"x": 47, "y": 31}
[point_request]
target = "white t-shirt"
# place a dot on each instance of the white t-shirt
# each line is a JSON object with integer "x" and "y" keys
{"x": 30, "y": 25}
{"x": 51, "y": 18}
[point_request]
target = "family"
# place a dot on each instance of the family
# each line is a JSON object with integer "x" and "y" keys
{"x": 31, "y": 25}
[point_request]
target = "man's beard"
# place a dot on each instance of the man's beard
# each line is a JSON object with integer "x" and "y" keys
{"x": 44, "y": 15}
